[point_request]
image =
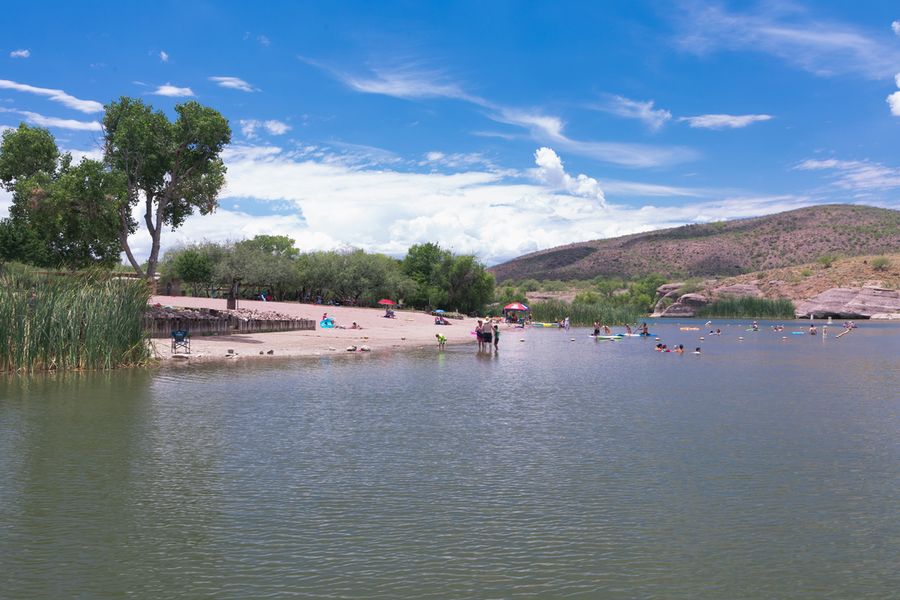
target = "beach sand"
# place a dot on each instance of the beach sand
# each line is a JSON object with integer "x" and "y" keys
{"x": 410, "y": 329}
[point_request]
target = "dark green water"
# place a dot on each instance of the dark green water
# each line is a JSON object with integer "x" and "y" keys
{"x": 764, "y": 468}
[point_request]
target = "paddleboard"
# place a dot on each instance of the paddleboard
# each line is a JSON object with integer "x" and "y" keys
{"x": 798, "y": 332}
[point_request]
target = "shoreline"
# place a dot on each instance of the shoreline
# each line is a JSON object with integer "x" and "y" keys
{"x": 408, "y": 330}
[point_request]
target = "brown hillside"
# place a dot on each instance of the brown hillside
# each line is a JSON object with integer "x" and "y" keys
{"x": 720, "y": 249}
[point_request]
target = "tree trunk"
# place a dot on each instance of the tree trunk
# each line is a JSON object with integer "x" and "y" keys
{"x": 123, "y": 239}
{"x": 155, "y": 233}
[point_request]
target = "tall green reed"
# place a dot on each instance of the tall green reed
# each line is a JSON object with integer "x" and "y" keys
{"x": 749, "y": 307}
{"x": 582, "y": 313}
{"x": 62, "y": 322}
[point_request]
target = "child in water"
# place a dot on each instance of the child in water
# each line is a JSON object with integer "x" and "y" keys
{"x": 441, "y": 340}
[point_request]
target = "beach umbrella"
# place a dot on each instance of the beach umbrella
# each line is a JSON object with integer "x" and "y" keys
{"x": 387, "y": 302}
{"x": 515, "y": 306}
{"x": 440, "y": 311}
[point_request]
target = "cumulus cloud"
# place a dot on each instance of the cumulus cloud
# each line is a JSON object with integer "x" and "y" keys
{"x": 895, "y": 27}
{"x": 23, "y": 53}
{"x": 164, "y": 56}
{"x": 233, "y": 83}
{"x": 249, "y": 127}
{"x": 489, "y": 213}
{"x": 550, "y": 171}
{"x": 173, "y": 91}
{"x": 893, "y": 100}
{"x": 69, "y": 101}
{"x": 724, "y": 121}
{"x": 654, "y": 118}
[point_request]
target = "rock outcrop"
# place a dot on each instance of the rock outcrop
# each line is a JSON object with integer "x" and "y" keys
{"x": 850, "y": 303}
{"x": 738, "y": 290}
{"x": 685, "y": 307}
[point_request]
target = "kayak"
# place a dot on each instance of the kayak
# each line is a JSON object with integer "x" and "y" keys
{"x": 637, "y": 334}
{"x": 617, "y": 336}
{"x": 545, "y": 325}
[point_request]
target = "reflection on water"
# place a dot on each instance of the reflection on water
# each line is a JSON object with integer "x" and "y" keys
{"x": 766, "y": 467}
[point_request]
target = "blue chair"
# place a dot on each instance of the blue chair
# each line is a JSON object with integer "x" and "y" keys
{"x": 181, "y": 339}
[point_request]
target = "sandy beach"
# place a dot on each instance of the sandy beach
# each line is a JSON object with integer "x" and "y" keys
{"x": 410, "y": 329}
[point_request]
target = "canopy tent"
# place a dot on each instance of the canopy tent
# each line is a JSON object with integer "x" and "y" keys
{"x": 516, "y": 306}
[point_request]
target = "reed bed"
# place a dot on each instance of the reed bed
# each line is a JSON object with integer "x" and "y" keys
{"x": 85, "y": 321}
{"x": 749, "y": 307}
{"x": 583, "y": 313}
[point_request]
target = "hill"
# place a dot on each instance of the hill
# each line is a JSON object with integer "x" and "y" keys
{"x": 723, "y": 248}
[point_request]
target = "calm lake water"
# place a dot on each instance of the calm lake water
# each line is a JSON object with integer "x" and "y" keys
{"x": 764, "y": 468}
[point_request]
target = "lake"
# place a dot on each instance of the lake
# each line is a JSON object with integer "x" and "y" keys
{"x": 767, "y": 467}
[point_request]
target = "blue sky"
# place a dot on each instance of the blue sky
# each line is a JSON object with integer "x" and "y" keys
{"x": 494, "y": 128}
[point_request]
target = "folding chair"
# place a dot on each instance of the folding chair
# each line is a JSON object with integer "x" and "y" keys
{"x": 181, "y": 339}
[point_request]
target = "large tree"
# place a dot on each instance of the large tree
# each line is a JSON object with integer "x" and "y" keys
{"x": 63, "y": 214}
{"x": 173, "y": 168}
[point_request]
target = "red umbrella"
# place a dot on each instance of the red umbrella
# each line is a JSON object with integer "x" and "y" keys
{"x": 515, "y": 306}
{"x": 386, "y": 302}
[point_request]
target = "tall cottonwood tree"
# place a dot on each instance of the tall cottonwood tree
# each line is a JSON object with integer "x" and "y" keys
{"x": 172, "y": 168}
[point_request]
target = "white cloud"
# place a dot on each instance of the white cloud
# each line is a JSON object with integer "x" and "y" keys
{"x": 5, "y": 203}
{"x": 454, "y": 160}
{"x": 895, "y": 27}
{"x": 550, "y": 171}
{"x": 164, "y": 56}
{"x": 263, "y": 40}
{"x": 234, "y": 83}
{"x": 85, "y": 106}
{"x": 23, "y": 53}
{"x": 654, "y": 118}
{"x": 487, "y": 213}
{"x": 550, "y": 130}
{"x": 856, "y": 175}
{"x": 724, "y": 121}
{"x": 790, "y": 33}
{"x": 173, "y": 91}
{"x": 414, "y": 82}
{"x": 249, "y": 127}
{"x": 44, "y": 121}
{"x": 894, "y": 102}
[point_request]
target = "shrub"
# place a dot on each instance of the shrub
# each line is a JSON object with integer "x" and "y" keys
{"x": 826, "y": 260}
{"x": 881, "y": 263}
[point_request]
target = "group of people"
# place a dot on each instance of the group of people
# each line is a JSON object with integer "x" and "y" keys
{"x": 487, "y": 333}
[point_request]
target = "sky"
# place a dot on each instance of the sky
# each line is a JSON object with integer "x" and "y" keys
{"x": 493, "y": 128}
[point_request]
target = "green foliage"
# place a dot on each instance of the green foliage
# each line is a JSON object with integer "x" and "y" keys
{"x": 86, "y": 321}
{"x": 749, "y": 307}
{"x": 25, "y": 152}
{"x": 806, "y": 273}
{"x": 881, "y": 263}
{"x": 551, "y": 311}
{"x": 194, "y": 267}
{"x": 443, "y": 280}
{"x": 174, "y": 168}
{"x": 826, "y": 260}
{"x": 587, "y": 298}
{"x": 62, "y": 215}
{"x": 529, "y": 285}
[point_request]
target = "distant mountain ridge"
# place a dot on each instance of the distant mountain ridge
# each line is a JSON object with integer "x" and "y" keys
{"x": 723, "y": 248}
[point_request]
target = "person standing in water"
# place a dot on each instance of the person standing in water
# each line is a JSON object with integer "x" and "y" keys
{"x": 486, "y": 335}
{"x": 496, "y": 337}
{"x": 479, "y": 336}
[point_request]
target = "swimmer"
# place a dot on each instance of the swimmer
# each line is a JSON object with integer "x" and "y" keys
{"x": 697, "y": 350}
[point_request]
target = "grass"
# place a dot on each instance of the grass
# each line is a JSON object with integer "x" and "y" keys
{"x": 85, "y": 321}
{"x": 749, "y": 307}
{"x": 582, "y": 313}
